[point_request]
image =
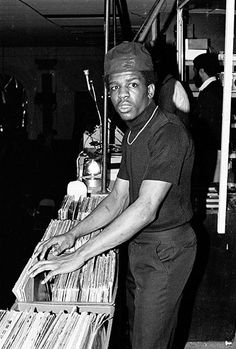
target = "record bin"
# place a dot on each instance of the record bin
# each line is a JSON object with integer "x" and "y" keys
{"x": 31, "y": 294}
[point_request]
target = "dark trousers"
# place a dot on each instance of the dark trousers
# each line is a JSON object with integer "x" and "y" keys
{"x": 159, "y": 267}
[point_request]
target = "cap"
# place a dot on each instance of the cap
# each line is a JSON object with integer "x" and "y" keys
{"x": 127, "y": 56}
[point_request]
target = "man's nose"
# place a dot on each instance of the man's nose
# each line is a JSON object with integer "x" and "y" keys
{"x": 123, "y": 92}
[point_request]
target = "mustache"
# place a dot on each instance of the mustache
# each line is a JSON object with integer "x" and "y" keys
{"x": 124, "y": 102}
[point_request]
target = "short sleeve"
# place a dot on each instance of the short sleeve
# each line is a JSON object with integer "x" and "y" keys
{"x": 122, "y": 173}
{"x": 167, "y": 149}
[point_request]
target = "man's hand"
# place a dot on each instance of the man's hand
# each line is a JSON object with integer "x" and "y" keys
{"x": 56, "y": 245}
{"x": 65, "y": 263}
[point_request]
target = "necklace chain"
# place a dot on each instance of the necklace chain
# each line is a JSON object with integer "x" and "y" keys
{"x": 140, "y": 131}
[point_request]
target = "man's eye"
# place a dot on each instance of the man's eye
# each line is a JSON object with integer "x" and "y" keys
{"x": 113, "y": 88}
{"x": 133, "y": 84}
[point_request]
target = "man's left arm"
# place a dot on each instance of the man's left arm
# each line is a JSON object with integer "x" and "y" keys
{"x": 137, "y": 216}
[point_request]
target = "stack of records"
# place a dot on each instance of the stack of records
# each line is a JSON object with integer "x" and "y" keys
{"x": 47, "y": 330}
{"x": 42, "y": 319}
{"x": 78, "y": 210}
{"x": 212, "y": 200}
{"x": 67, "y": 206}
{"x": 94, "y": 282}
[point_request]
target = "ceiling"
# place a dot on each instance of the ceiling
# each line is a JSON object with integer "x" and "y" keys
{"x": 75, "y": 22}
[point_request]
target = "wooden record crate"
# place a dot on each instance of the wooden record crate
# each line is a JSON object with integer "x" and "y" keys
{"x": 37, "y": 298}
{"x": 56, "y": 307}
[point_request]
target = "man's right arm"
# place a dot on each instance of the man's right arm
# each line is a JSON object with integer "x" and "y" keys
{"x": 107, "y": 210}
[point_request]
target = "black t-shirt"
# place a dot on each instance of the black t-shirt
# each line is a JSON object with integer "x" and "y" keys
{"x": 164, "y": 152}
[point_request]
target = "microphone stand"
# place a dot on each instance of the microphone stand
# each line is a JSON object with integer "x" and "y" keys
{"x": 102, "y": 126}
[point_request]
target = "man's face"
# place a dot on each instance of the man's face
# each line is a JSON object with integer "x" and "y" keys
{"x": 197, "y": 78}
{"x": 129, "y": 94}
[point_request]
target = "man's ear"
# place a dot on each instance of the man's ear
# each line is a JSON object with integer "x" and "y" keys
{"x": 201, "y": 72}
{"x": 151, "y": 91}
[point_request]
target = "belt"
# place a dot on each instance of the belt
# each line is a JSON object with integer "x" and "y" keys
{"x": 183, "y": 231}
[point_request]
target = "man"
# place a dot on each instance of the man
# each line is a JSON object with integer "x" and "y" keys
{"x": 208, "y": 110}
{"x": 207, "y": 123}
{"x": 149, "y": 204}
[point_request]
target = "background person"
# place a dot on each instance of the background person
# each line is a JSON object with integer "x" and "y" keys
{"x": 149, "y": 205}
{"x": 173, "y": 98}
{"x": 206, "y": 125}
{"x": 171, "y": 95}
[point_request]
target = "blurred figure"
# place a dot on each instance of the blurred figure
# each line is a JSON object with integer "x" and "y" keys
{"x": 171, "y": 95}
{"x": 173, "y": 98}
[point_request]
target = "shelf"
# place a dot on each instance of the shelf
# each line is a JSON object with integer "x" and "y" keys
{"x": 216, "y": 11}
{"x": 233, "y": 95}
{"x": 189, "y": 62}
{"x": 67, "y": 306}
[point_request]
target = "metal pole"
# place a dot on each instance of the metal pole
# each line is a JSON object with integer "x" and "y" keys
{"x": 114, "y": 21}
{"x": 140, "y": 36}
{"x": 179, "y": 43}
{"x": 226, "y": 113}
{"x": 154, "y": 30}
{"x": 183, "y": 4}
{"x": 105, "y": 117}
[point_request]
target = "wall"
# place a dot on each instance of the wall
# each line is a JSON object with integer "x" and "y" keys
{"x": 206, "y": 25}
{"x": 68, "y": 79}
{"x": 211, "y": 26}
